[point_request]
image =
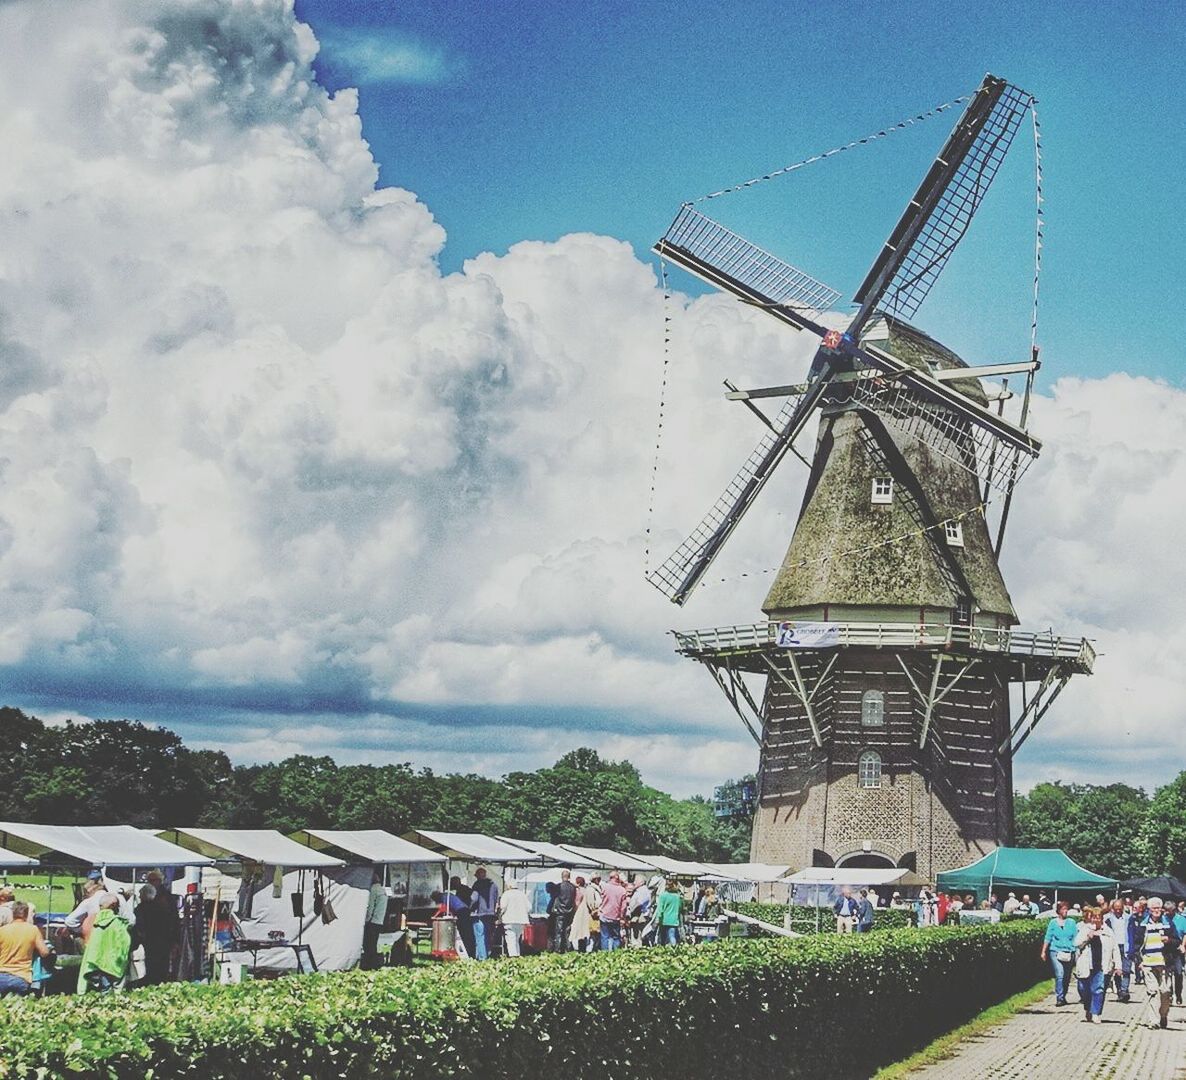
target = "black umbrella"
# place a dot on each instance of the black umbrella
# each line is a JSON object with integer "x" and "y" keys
{"x": 1165, "y": 886}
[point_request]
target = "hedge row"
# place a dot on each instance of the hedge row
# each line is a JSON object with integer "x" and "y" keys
{"x": 831, "y": 1006}
{"x": 803, "y": 918}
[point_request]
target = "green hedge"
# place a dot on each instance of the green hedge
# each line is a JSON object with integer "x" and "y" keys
{"x": 803, "y": 918}
{"x": 831, "y": 1006}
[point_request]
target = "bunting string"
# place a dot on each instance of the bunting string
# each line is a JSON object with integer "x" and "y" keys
{"x": 1040, "y": 220}
{"x": 980, "y": 508}
{"x": 910, "y": 121}
{"x": 646, "y": 555}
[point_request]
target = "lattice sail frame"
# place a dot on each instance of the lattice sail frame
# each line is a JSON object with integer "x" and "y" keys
{"x": 948, "y": 222}
{"x": 777, "y": 281}
{"x": 992, "y": 460}
{"x": 669, "y": 575}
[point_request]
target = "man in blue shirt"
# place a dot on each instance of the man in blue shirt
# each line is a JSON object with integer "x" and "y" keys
{"x": 846, "y": 908}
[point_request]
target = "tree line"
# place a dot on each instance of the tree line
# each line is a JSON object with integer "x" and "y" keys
{"x": 1112, "y": 829}
{"x": 124, "y": 772}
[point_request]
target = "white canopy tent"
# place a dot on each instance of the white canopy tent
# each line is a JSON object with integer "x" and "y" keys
{"x": 741, "y": 882}
{"x": 265, "y": 846}
{"x": 474, "y": 848}
{"x": 759, "y": 873}
{"x": 611, "y": 860}
{"x": 277, "y": 878}
{"x": 10, "y": 859}
{"x": 467, "y": 851}
{"x": 821, "y": 885}
{"x": 411, "y": 873}
{"x": 107, "y": 846}
{"x": 553, "y": 853}
{"x": 370, "y": 845}
{"x": 676, "y": 867}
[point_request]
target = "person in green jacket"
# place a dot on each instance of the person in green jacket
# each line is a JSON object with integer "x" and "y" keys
{"x": 667, "y": 913}
{"x": 105, "y": 961}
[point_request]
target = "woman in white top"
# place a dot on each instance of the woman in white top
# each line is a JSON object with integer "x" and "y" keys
{"x": 514, "y": 915}
{"x": 1097, "y": 958}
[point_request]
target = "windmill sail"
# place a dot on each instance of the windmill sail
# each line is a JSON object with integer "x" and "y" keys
{"x": 940, "y": 212}
{"x": 680, "y": 572}
{"x": 730, "y": 262}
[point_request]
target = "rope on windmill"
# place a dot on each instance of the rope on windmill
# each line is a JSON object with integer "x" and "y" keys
{"x": 980, "y": 508}
{"x": 646, "y": 555}
{"x": 909, "y": 121}
{"x": 1040, "y": 220}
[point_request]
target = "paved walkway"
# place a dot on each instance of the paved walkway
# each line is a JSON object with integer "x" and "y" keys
{"x": 1043, "y": 1041}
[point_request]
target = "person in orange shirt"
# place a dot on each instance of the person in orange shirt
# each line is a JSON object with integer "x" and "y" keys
{"x": 19, "y": 941}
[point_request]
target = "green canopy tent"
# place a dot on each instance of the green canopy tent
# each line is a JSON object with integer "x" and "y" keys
{"x": 1023, "y": 868}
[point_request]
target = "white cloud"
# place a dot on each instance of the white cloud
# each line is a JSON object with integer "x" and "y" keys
{"x": 271, "y": 478}
{"x": 390, "y": 56}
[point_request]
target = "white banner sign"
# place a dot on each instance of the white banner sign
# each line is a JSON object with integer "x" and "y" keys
{"x": 808, "y": 635}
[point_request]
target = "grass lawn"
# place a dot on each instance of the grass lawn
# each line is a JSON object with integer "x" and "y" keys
{"x": 33, "y": 887}
{"x": 945, "y": 1045}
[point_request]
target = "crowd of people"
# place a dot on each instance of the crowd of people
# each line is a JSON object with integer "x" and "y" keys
{"x": 97, "y": 938}
{"x": 584, "y": 913}
{"x": 1118, "y": 944}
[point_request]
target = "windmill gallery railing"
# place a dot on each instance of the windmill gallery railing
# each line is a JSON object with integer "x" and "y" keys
{"x": 1015, "y": 645}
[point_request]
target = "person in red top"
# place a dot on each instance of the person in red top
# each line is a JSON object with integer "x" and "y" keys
{"x": 613, "y": 910}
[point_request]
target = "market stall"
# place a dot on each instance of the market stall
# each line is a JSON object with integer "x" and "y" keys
{"x": 281, "y": 906}
{"x": 1032, "y": 869}
{"x": 740, "y": 883}
{"x": 410, "y": 872}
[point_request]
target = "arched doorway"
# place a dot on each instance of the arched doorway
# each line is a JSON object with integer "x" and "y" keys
{"x": 865, "y": 860}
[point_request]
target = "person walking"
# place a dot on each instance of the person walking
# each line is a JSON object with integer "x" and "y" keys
{"x": 1117, "y": 920}
{"x": 484, "y": 906}
{"x": 865, "y": 914}
{"x": 1157, "y": 942}
{"x": 1179, "y": 920}
{"x": 613, "y": 908}
{"x": 1097, "y": 959}
{"x": 515, "y": 916}
{"x": 846, "y": 911}
{"x": 1058, "y": 946}
{"x": 20, "y": 941}
{"x": 668, "y": 908}
{"x": 1139, "y": 911}
{"x": 564, "y": 905}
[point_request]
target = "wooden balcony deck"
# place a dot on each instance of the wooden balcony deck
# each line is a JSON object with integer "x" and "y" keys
{"x": 1023, "y": 654}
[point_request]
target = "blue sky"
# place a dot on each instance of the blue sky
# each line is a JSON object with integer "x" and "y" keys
{"x": 517, "y": 121}
{"x": 292, "y": 469}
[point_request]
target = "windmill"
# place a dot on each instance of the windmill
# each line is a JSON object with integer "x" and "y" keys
{"x": 890, "y": 643}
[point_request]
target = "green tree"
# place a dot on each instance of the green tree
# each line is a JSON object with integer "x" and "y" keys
{"x": 1163, "y": 838}
{"x": 1100, "y": 827}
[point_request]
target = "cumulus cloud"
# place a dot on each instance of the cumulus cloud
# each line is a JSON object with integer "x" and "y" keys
{"x": 272, "y": 478}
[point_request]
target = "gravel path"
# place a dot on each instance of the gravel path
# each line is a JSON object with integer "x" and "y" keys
{"x": 1044, "y": 1041}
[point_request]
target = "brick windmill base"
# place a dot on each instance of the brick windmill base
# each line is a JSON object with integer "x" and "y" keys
{"x": 892, "y": 747}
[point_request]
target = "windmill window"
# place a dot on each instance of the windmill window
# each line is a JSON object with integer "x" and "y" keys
{"x": 872, "y": 708}
{"x": 883, "y": 490}
{"x": 869, "y": 769}
{"x": 963, "y": 611}
{"x": 955, "y": 533}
